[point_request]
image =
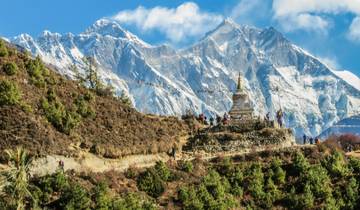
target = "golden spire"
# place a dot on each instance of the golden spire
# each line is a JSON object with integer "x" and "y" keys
{"x": 239, "y": 86}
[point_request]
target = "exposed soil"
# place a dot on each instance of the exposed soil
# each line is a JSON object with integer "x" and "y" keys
{"x": 115, "y": 131}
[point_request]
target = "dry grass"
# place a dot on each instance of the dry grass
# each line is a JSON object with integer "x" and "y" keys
{"x": 115, "y": 131}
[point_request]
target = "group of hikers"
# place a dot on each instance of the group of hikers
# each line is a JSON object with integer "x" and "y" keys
{"x": 202, "y": 118}
{"x": 218, "y": 120}
{"x": 310, "y": 140}
{"x": 279, "y": 117}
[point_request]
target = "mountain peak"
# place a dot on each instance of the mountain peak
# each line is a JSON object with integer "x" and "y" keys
{"x": 108, "y": 27}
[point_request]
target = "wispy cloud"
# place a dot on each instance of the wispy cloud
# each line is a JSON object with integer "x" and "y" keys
{"x": 332, "y": 62}
{"x": 251, "y": 11}
{"x": 311, "y": 14}
{"x": 354, "y": 30}
{"x": 177, "y": 24}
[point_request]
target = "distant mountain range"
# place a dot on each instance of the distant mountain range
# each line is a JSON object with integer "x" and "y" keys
{"x": 344, "y": 126}
{"x": 202, "y": 77}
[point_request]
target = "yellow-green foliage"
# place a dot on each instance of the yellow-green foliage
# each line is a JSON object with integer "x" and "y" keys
{"x": 9, "y": 93}
{"x": 37, "y": 72}
{"x": 10, "y": 68}
{"x": 3, "y": 49}
{"x": 61, "y": 118}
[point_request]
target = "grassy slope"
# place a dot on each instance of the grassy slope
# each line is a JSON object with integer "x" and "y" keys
{"x": 115, "y": 130}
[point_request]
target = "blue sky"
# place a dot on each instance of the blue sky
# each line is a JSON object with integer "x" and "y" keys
{"x": 329, "y": 29}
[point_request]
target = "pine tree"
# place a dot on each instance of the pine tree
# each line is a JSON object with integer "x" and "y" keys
{"x": 91, "y": 75}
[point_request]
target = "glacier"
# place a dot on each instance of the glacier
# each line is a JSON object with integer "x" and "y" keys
{"x": 202, "y": 77}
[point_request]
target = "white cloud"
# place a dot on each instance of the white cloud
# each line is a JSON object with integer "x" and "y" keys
{"x": 250, "y": 11}
{"x": 291, "y": 7}
{"x": 331, "y": 62}
{"x": 310, "y": 14}
{"x": 177, "y": 24}
{"x": 306, "y": 22}
{"x": 354, "y": 30}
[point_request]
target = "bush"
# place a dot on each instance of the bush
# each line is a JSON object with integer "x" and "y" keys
{"x": 318, "y": 180}
{"x": 351, "y": 193}
{"x": 83, "y": 108}
{"x": 56, "y": 113}
{"x": 279, "y": 174}
{"x": 163, "y": 171}
{"x": 150, "y": 182}
{"x": 123, "y": 98}
{"x": 300, "y": 164}
{"x": 75, "y": 198}
{"x": 101, "y": 197}
{"x": 256, "y": 182}
{"x": 189, "y": 199}
{"x": 10, "y": 68}
{"x": 3, "y": 49}
{"x": 37, "y": 72}
{"x": 132, "y": 202}
{"x": 336, "y": 164}
{"x": 307, "y": 199}
{"x": 9, "y": 93}
{"x": 187, "y": 166}
{"x": 212, "y": 193}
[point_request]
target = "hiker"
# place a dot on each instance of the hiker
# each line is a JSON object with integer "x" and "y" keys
{"x": 317, "y": 140}
{"x": 211, "y": 121}
{"x": 201, "y": 118}
{"x": 218, "y": 119}
{"x": 311, "y": 140}
{"x": 267, "y": 117}
{"x": 61, "y": 165}
{"x": 279, "y": 115}
{"x": 173, "y": 152}
{"x": 226, "y": 118}
{"x": 205, "y": 121}
{"x": 304, "y": 138}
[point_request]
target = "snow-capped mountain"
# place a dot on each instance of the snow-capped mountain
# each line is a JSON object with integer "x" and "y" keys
{"x": 202, "y": 77}
{"x": 344, "y": 126}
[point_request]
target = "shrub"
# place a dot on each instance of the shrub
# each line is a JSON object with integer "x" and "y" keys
{"x": 75, "y": 197}
{"x": 9, "y": 93}
{"x": 300, "y": 164}
{"x": 319, "y": 181}
{"x": 37, "y": 72}
{"x": 150, "y": 182}
{"x": 163, "y": 171}
{"x": 256, "y": 181}
{"x": 56, "y": 113}
{"x": 354, "y": 164}
{"x": 279, "y": 174}
{"x": 83, "y": 108}
{"x": 3, "y": 49}
{"x": 101, "y": 197}
{"x": 10, "y": 68}
{"x": 336, "y": 164}
{"x": 187, "y": 166}
{"x": 351, "y": 193}
{"x": 123, "y": 98}
{"x": 271, "y": 195}
{"x": 190, "y": 199}
{"x": 212, "y": 193}
{"x": 132, "y": 202}
{"x": 307, "y": 199}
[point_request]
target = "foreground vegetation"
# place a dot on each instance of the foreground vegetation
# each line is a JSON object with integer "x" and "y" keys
{"x": 315, "y": 177}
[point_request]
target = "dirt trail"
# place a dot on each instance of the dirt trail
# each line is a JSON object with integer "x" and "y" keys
{"x": 91, "y": 162}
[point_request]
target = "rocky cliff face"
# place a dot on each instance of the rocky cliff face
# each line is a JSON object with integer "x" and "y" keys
{"x": 202, "y": 77}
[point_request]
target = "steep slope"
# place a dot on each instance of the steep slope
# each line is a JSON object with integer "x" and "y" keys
{"x": 350, "y": 125}
{"x": 202, "y": 77}
{"x": 49, "y": 114}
